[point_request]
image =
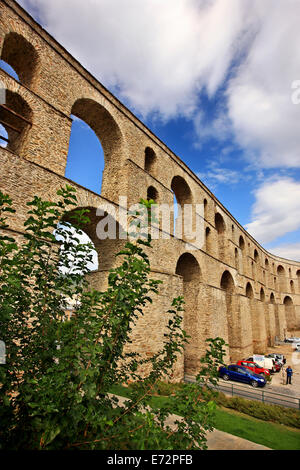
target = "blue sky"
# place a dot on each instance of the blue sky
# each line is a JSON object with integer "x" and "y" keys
{"x": 214, "y": 81}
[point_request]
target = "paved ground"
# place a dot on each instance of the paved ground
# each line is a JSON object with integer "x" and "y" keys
{"x": 219, "y": 440}
{"x": 279, "y": 379}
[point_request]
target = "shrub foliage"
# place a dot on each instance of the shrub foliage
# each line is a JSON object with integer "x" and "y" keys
{"x": 54, "y": 387}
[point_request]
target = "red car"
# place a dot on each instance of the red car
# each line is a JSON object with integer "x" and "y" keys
{"x": 254, "y": 367}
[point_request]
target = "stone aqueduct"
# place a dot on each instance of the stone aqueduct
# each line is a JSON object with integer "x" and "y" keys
{"x": 233, "y": 287}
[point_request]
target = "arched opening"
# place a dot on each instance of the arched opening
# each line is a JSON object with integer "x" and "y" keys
{"x": 236, "y": 258}
{"x": 227, "y": 282}
{"x": 266, "y": 263}
{"x": 273, "y": 320}
{"x": 72, "y": 265}
{"x": 21, "y": 56}
{"x": 85, "y": 145}
{"x": 95, "y": 139}
{"x": 219, "y": 223}
{"x": 16, "y": 121}
{"x": 233, "y": 323}
{"x": 262, "y": 295}
{"x": 256, "y": 256}
{"x": 150, "y": 160}
{"x": 257, "y": 320}
{"x": 182, "y": 195}
{"x": 249, "y": 291}
{"x": 205, "y": 208}
{"x": 105, "y": 233}
{"x": 298, "y": 277}
{"x": 220, "y": 227}
{"x": 292, "y": 287}
{"x": 281, "y": 277}
{"x": 152, "y": 193}
{"x": 241, "y": 243}
{"x": 289, "y": 313}
{"x": 253, "y": 269}
{"x": 188, "y": 267}
{"x": 208, "y": 239}
{"x": 181, "y": 190}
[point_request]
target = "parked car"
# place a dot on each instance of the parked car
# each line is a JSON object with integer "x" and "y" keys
{"x": 266, "y": 363}
{"x": 278, "y": 358}
{"x": 254, "y": 367}
{"x": 241, "y": 374}
{"x": 292, "y": 340}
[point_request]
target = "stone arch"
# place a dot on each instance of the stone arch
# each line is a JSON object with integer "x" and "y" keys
{"x": 183, "y": 195}
{"x": 232, "y": 317}
{"x": 102, "y": 122}
{"x": 249, "y": 291}
{"x": 181, "y": 190}
{"x": 290, "y": 315}
{"x": 256, "y": 311}
{"x": 236, "y": 258}
{"x": 105, "y": 233}
{"x": 298, "y": 277}
{"x": 208, "y": 239}
{"x": 21, "y": 55}
{"x": 281, "y": 278}
{"x": 188, "y": 268}
{"x": 273, "y": 317}
{"x": 152, "y": 193}
{"x": 219, "y": 223}
{"x": 262, "y": 295}
{"x": 16, "y": 119}
{"x": 292, "y": 287}
{"x": 150, "y": 160}
{"x": 205, "y": 208}
{"x": 83, "y": 238}
{"x": 227, "y": 282}
{"x": 266, "y": 263}
{"x": 241, "y": 243}
{"x": 255, "y": 255}
{"x": 221, "y": 229}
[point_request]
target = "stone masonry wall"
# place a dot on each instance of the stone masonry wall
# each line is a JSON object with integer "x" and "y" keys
{"x": 52, "y": 87}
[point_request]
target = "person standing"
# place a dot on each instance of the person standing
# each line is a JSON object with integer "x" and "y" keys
{"x": 289, "y": 373}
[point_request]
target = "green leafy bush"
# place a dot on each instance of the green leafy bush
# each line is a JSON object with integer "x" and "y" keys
{"x": 54, "y": 387}
{"x": 275, "y": 413}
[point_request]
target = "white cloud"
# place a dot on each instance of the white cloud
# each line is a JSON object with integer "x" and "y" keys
{"x": 216, "y": 175}
{"x": 289, "y": 251}
{"x": 276, "y": 210}
{"x": 260, "y": 103}
{"x": 160, "y": 54}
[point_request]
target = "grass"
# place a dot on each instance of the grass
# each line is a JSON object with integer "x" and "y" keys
{"x": 272, "y": 435}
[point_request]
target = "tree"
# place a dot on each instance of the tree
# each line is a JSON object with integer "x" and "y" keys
{"x": 55, "y": 385}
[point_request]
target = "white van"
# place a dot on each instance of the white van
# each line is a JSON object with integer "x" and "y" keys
{"x": 265, "y": 362}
